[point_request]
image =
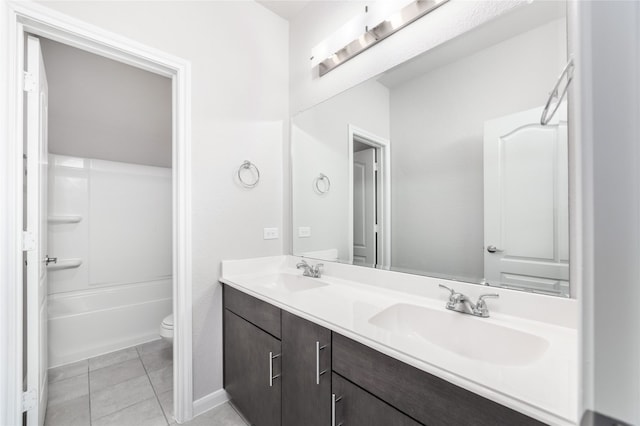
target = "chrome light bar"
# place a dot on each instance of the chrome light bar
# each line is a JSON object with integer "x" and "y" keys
{"x": 384, "y": 29}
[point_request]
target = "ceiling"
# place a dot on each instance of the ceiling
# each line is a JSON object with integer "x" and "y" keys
{"x": 286, "y": 9}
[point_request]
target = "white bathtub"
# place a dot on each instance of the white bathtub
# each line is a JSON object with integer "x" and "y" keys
{"x": 93, "y": 322}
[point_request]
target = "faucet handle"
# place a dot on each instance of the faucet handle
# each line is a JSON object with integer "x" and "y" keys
{"x": 481, "y": 306}
{"x": 454, "y": 297}
{"x": 447, "y": 288}
{"x": 303, "y": 264}
{"x": 317, "y": 270}
{"x": 484, "y": 296}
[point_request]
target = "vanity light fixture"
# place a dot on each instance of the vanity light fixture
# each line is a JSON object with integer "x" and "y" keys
{"x": 371, "y": 36}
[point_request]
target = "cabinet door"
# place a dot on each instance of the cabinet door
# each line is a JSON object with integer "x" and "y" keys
{"x": 251, "y": 373}
{"x": 357, "y": 407}
{"x": 306, "y": 372}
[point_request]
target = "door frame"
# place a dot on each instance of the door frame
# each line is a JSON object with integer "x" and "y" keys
{"x": 383, "y": 154}
{"x": 40, "y": 20}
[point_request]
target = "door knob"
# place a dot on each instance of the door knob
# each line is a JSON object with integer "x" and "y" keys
{"x": 48, "y": 260}
{"x": 493, "y": 249}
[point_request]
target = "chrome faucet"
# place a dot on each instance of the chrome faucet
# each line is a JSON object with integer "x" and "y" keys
{"x": 460, "y": 303}
{"x": 309, "y": 270}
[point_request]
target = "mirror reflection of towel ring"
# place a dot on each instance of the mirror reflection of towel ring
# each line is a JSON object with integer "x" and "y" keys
{"x": 567, "y": 73}
{"x": 322, "y": 184}
{"x": 248, "y": 165}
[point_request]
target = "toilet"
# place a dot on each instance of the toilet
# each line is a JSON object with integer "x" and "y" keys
{"x": 166, "y": 329}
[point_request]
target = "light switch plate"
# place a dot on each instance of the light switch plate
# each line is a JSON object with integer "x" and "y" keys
{"x": 271, "y": 233}
{"x": 304, "y": 232}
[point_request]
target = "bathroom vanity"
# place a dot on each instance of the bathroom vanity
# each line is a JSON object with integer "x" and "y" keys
{"x": 347, "y": 349}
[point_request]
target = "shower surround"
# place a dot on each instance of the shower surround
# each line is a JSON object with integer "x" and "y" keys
{"x": 110, "y": 228}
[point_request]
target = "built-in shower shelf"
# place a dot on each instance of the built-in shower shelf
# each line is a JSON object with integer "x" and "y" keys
{"x": 65, "y": 264}
{"x": 64, "y": 219}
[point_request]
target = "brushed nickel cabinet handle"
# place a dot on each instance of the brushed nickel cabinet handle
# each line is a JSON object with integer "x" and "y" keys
{"x": 334, "y": 399}
{"x": 271, "y": 376}
{"x": 318, "y": 372}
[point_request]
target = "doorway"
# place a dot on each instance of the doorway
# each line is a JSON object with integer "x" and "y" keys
{"x": 99, "y": 201}
{"x": 370, "y": 195}
{"x": 34, "y": 19}
{"x": 105, "y": 221}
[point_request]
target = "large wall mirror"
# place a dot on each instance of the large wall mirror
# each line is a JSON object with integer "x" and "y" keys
{"x": 440, "y": 166}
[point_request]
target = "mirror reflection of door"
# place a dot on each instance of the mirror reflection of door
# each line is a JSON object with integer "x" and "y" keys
{"x": 527, "y": 202}
{"x": 364, "y": 205}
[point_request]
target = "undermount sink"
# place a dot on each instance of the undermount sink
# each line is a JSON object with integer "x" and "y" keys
{"x": 465, "y": 335}
{"x": 289, "y": 283}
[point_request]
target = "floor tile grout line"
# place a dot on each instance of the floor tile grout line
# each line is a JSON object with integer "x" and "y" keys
{"x": 123, "y": 408}
{"x": 131, "y": 405}
{"x": 50, "y": 407}
{"x": 152, "y": 387}
{"x": 128, "y": 378}
{"x": 166, "y": 417}
{"x": 116, "y": 363}
{"x": 70, "y": 377}
{"x": 128, "y": 406}
{"x": 89, "y": 370}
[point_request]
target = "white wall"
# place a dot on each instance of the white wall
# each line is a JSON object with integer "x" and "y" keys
{"x": 238, "y": 51}
{"x": 320, "y": 145}
{"x": 318, "y": 20}
{"x": 437, "y": 131}
{"x": 104, "y": 109}
{"x": 610, "y": 104}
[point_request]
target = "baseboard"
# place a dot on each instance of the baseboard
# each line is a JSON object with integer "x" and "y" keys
{"x": 207, "y": 402}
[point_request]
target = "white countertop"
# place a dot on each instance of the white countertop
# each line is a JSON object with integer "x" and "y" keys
{"x": 545, "y": 389}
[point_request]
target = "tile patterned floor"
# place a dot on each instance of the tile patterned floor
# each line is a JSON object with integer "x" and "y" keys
{"x": 133, "y": 386}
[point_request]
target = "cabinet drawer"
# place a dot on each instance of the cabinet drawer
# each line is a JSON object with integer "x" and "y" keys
{"x": 259, "y": 313}
{"x": 356, "y": 407}
{"x": 424, "y": 397}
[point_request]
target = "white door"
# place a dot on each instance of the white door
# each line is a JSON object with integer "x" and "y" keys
{"x": 364, "y": 208}
{"x": 526, "y": 202}
{"x": 37, "y": 151}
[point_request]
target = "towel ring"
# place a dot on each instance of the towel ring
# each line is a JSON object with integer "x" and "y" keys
{"x": 248, "y": 165}
{"x": 326, "y": 183}
{"x": 568, "y": 72}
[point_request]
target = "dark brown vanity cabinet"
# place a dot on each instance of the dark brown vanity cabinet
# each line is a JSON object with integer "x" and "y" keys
{"x": 252, "y": 358}
{"x": 277, "y": 366}
{"x": 282, "y": 370}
